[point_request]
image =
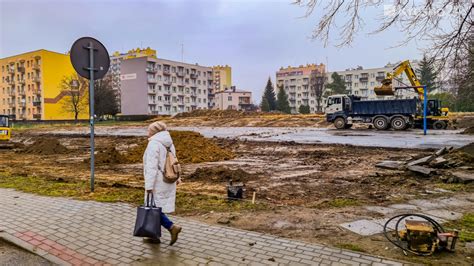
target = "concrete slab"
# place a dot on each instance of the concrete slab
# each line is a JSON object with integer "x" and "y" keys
{"x": 445, "y": 214}
{"x": 455, "y": 202}
{"x": 363, "y": 227}
{"x": 427, "y": 204}
{"x": 406, "y": 207}
{"x": 381, "y": 210}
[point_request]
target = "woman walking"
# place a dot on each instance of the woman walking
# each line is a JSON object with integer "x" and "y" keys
{"x": 159, "y": 140}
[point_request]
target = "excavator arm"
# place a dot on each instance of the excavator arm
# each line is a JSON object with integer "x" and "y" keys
{"x": 387, "y": 88}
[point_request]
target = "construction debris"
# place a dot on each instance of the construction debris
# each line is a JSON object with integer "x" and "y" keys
{"x": 422, "y": 161}
{"x": 463, "y": 177}
{"x": 421, "y": 169}
{"x": 394, "y": 165}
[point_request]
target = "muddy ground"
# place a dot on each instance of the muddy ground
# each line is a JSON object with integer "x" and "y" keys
{"x": 306, "y": 190}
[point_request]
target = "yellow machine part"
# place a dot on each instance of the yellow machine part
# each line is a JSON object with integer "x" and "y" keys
{"x": 385, "y": 89}
{"x": 5, "y": 133}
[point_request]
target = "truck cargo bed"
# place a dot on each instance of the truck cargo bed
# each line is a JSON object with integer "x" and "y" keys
{"x": 384, "y": 107}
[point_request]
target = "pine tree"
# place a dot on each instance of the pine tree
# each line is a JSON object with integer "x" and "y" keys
{"x": 304, "y": 109}
{"x": 269, "y": 94}
{"x": 264, "y": 106}
{"x": 427, "y": 74}
{"x": 338, "y": 85}
{"x": 282, "y": 101}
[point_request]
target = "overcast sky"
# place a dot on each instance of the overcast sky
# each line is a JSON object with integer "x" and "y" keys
{"x": 256, "y": 38}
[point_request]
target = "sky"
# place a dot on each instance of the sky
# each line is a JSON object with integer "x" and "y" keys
{"x": 255, "y": 38}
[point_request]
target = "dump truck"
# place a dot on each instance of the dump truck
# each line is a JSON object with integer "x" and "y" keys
{"x": 399, "y": 114}
{"x": 345, "y": 110}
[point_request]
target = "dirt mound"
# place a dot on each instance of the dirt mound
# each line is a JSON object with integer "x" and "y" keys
{"x": 191, "y": 147}
{"x": 462, "y": 156}
{"x": 219, "y": 174}
{"x": 217, "y": 113}
{"x": 469, "y": 131}
{"x": 108, "y": 156}
{"x": 46, "y": 146}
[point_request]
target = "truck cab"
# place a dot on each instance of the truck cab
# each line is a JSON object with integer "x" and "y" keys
{"x": 337, "y": 104}
{"x": 5, "y": 128}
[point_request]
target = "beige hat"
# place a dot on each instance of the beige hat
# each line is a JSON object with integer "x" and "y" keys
{"x": 156, "y": 127}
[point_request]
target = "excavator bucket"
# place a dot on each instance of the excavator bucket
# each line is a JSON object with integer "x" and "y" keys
{"x": 385, "y": 89}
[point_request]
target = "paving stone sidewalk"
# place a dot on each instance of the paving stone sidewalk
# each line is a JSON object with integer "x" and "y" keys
{"x": 73, "y": 232}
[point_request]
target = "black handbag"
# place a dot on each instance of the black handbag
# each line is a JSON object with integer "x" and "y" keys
{"x": 148, "y": 223}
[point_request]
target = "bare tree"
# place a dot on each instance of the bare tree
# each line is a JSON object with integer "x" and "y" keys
{"x": 75, "y": 96}
{"x": 444, "y": 23}
{"x": 316, "y": 83}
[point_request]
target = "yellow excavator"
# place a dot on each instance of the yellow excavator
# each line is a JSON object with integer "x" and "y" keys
{"x": 436, "y": 116}
{"x": 5, "y": 132}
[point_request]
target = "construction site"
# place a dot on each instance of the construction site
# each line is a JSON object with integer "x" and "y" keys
{"x": 322, "y": 191}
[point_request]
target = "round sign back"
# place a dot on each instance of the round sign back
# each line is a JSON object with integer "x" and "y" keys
{"x": 80, "y": 57}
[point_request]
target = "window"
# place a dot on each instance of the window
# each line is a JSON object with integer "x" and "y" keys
{"x": 229, "y": 98}
{"x": 356, "y": 84}
{"x": 173, "y": 69}
{"x": 372, "y": 83}
{"x": 356, "y": 76}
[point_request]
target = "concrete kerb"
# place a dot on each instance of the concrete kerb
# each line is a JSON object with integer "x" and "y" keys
{"x": 30, "y": 248}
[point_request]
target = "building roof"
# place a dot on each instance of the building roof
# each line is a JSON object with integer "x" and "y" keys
{"x": 34, "y": 51}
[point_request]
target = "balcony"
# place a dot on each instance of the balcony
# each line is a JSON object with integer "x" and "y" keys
{"x": 22, "y": 92}
{"x": 37, "y": 116}
{"x": 151, "y": 80}
{"x": 22, "y": 104}
{"x": 36, "y": 79}
{"x": 166, "y": 72}
{"x": 167, "y": 92}
{"x": 10, "y": 70}
{"x": 151, "y": 91}
{"x": 21, "y": 81}
{"x": 36, "y": 66}
{"x": 193, "y": 75}
{"x": 11, "y": 82}
{"x": 21, "y": 69}
{"x": 379, "y": 78}
{"x": 37, "y": 91}
{"x": 37, "y": 103}
{"x": 364, "y": 79}
{"x": 151, "y": 69}
{"x": 167, "y": 82}
{"x": 180, "y": 74}
{"x": 11, "y": 92}
{"x": 12, "y": 104}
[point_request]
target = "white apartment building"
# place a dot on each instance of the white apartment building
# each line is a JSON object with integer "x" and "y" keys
{"x": 233, "y": 99}
{"x": 155, "y": 86}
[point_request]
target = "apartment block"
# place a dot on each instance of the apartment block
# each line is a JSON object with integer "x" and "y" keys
{"x": 156, "y": 86}
{"x": 31, "y": 86}
{"x": 222, "y": 77}
{"x": 233, "y": 99}
{"x": 116, "y": 60}
{"x": 299, "y": 83}
{"x": 361, "y": 82}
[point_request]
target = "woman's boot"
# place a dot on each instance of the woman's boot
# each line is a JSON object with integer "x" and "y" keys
{"x": 174, "y": 231}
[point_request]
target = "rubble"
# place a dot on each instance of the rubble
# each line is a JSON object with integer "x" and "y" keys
{"x": 394, "y": 165}
{"x": 463, "y": 177}
{"x": 422, "y": 161}
{"x": 421, "y": 169}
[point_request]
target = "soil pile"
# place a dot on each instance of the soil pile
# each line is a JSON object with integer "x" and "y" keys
{"x": 191, "y": 147}
{"x": 108, "y": 156}
{"x": 469, "y": 131}
{"x": 462, "y": 156}
{"x": 46, "y": 146}
{"x": 217, "y": 113}
{"x": 219, "y": 174}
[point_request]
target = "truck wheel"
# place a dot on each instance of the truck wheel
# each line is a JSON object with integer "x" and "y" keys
{"x": 340, "y": 123}
{"x": 398, "y": 123}
{"x": 380, "y": 123}
{"x": 439, "y": 125}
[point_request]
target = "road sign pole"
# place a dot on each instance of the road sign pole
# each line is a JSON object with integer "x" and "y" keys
{"x": 425, "y": 102}
{"x": 91, "y": 108}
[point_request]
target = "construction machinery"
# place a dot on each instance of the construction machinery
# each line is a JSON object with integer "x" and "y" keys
{"x": 399, "y": 114}
{"x": 437, "y": 117}
{"x": 5, "y": 132}
{"x": 5, "y": 129}
{"x": 421, "y": 236}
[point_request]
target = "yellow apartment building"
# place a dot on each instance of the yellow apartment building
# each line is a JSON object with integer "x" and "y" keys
{"x": 222, "y": 77}
{"x": 30, "y": 87}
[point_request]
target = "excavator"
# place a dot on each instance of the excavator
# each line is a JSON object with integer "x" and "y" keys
{"x": 437, "y": 117}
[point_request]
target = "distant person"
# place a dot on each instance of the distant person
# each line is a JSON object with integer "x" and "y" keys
{"x": 159, "y": 140}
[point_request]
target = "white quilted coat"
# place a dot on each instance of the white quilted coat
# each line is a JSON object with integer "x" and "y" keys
{"x": 154, "y": 160}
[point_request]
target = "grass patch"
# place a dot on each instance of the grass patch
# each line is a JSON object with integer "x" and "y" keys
{"x": 340, "y": 203}
{"x": 451, "y": 187}
{"x": 350, "y": 246}
{"x": 186, "y": 203}
{"x": 465, "y": 225}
